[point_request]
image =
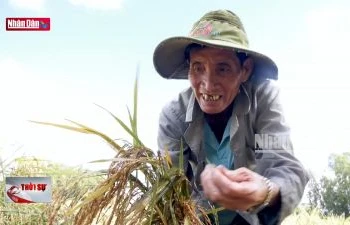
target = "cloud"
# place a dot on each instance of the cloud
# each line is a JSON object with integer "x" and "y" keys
{"x": 99, "y": 4}
{"x": 315, "y": 86}
{"x": 329, "y": 31}
{"x": 35, "y": 5}
{"x": 27, "y": 94}
{"x": 319, "y": 56}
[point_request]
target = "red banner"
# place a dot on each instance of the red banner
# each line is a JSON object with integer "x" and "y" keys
{"x": 27, "y": 24}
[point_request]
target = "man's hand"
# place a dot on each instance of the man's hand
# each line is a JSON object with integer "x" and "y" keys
{"x": 238, "y": 189}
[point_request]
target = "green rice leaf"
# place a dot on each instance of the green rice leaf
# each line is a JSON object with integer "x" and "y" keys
{"x": 96, "y": 194}
{"x": 181, "y": 157}
{"x": 172, "y": 211}
{"x": 134, "y": 124}
{"x": 160, "y": 213}
{"x": 131, "y": 120}
{"x": 125, "y": 127}
{"x": 67, "y": 127}
{"x": 82, "y": 129}
{"x": 113, "y": 160}
{"x": 103, "y": 136}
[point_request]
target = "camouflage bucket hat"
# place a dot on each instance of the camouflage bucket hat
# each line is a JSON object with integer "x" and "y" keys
{"x": 220, "y": 29}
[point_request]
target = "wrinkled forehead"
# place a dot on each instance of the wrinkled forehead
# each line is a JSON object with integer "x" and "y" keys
{"x": 194, "y": 50}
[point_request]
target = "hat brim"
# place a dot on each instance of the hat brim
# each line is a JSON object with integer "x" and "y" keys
{"x": 169, "y": 58}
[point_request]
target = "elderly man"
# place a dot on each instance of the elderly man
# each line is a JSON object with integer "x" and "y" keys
{"x": 232, "y": 101}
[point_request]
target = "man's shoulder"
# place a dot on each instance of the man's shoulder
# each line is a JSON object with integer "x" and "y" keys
{"x": 262, "y": 85}
{"x": 261, "y": 89}
{"x": 177, "y": 107}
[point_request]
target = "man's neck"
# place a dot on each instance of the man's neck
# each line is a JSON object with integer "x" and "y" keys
{"x": 218, "y": 121}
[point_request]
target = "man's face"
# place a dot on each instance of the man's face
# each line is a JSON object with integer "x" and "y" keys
{"x": 215, "y": 76}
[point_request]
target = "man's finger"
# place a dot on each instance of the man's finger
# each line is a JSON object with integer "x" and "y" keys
{"x": 211, "y": 191}
{"x": 227, "y": 187}
{"x": 238, "y": 175}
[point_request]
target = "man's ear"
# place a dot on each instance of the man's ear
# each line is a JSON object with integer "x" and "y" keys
{"x": 247, "y": 68}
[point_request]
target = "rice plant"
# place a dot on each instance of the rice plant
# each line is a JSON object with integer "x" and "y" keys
{"x": 141, "y": 186}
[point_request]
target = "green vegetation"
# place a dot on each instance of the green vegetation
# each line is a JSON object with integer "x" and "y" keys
{"x": 301, "y": 216}
{"x": 331, "y": 194}
{"x": 68, "y": 183}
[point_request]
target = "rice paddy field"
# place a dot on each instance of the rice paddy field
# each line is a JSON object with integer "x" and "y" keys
{"x": 139, "y": 187}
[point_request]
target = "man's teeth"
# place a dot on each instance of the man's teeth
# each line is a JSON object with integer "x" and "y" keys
{"x": 207, "y": 97}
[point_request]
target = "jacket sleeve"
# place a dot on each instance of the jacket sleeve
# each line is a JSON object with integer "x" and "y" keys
{"x": 278, "y": 162}
{"x": 170, "y": 133}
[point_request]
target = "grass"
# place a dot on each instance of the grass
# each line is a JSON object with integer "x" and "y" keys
{"x": 302, "y": 216}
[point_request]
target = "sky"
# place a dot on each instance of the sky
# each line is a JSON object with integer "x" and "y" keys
{"x": 91, "y": 53}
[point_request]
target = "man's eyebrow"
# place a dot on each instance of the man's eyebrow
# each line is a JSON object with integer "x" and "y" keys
{"x": 196, "y": 60}
{"x": 223, "y": 63}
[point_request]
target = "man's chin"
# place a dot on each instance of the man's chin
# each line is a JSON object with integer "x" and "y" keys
{"x": 211, "y": 109}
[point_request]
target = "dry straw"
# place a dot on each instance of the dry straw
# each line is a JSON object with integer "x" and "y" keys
{"x": 141, "y": 187}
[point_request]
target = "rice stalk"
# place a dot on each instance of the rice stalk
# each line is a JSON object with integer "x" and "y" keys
{"x": 140, "y": 187}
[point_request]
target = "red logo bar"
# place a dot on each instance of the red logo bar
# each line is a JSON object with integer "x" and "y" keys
{"x": 17, "y": 196}
{"x": 27, "y": 24}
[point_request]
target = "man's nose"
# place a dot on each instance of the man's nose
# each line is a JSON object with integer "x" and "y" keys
{"x": 209, "y": 81}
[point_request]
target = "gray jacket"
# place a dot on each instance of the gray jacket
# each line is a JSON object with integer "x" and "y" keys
{"x": 257, "y": 110}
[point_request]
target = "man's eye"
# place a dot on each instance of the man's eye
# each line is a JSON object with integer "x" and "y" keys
{"x": 197, "y": 68}
{"x": 224, "y": 69}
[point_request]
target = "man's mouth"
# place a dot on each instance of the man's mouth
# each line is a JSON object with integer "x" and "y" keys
{"x": 207, "y": 97}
